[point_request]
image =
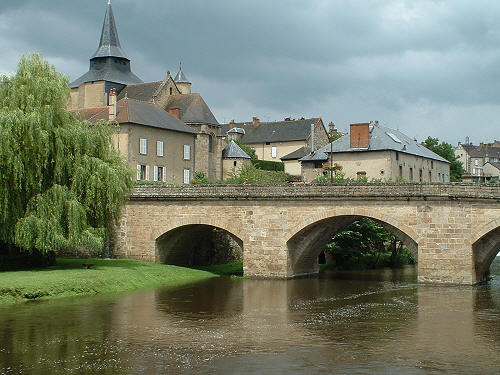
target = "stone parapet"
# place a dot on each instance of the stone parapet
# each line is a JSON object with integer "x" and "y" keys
{"x": 367, "y": 191}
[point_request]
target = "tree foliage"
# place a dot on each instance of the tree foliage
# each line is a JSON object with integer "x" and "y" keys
{"x": 61, "y": 182}
{"x": 445, "y": 150}
{"x": 366, "y": 240}
{"x": 248, "y": 150}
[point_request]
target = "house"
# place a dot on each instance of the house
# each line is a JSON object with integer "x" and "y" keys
{"x": 491, "y": 171}
{"x": 148, "y": 112}
{"x": 233, "y": 159}
{"x": 156, "y": 144}
{"x": 372, "y": 151}
{"x": 474, "y": 158}
{"x": 274, "y": 141}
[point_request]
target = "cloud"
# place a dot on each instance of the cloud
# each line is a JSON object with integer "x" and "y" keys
{"x": 429, "y": 67}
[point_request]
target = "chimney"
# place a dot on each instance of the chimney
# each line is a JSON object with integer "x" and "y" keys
{"x": 174, "y": 111}
{"x": 231, "y": 124}
{"x": 360, "y": 135}
{"x": 112, "y": 104}
{"x": 255, "y": 121}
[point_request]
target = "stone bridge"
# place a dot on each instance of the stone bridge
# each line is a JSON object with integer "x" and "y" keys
{"x": 452, "y": 229}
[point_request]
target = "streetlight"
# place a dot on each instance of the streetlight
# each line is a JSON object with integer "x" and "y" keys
{"x": 331, "y": 125}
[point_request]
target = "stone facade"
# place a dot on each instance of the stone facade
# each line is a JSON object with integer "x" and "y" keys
{"x": 453, "y": 229}
{"x": 385, "y": 166}
{"x": 127, "y": 140}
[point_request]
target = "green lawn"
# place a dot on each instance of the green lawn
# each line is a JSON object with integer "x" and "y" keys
{"x": 69, "y": 278}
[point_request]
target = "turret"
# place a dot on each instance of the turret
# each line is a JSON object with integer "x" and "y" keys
{"x": 182, "y": 82}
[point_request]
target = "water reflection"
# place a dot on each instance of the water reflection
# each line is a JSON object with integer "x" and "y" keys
{"x": 370, "y": 322}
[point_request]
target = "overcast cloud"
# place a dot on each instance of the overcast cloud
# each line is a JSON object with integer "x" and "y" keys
{"x": 426, "y": 67}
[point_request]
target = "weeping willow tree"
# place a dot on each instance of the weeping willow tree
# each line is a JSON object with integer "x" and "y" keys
{"x": 61, "y": 181}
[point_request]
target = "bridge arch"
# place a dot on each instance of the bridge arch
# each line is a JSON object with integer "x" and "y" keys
{"x": 306, "y": 241}
{"x": 485, "y": 247}
{"x": 197, "y": 244}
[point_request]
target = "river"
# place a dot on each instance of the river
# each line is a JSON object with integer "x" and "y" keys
{"x": 371, "y": 322}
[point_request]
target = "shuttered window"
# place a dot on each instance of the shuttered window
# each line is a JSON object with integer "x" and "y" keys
{"x": 164, "y": 175}
{"x": 143, "y": 146}
{"x": 159, "y": 148}
{"x": 187, "y": 152}
{"x": 186, "y": 176}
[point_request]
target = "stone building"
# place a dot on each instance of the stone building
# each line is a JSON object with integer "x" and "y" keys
{"x": 375, "y": 152}
{"x": 165, "y": 113}
{"x": 474, "y": 158}
{"x": 233, "y": 159}
{"x": 280, "y": 140}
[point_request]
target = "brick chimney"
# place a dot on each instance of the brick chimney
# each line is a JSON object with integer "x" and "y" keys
{"x": 360, "y": 135}
{"x": 112, "y": 104}
{"x": 231, "y": 124}
{"x": 256, "y": 121}
{"x": 174, "y": 111}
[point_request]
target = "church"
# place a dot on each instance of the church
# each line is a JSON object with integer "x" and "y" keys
{"x": 166, "y": 132}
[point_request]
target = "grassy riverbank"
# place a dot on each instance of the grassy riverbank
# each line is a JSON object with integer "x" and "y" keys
{"x": 69, "y": 278}
{"x": 227, "y": 269}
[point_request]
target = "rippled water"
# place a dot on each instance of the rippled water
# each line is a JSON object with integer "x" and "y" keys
{"x": 344, "y": 323}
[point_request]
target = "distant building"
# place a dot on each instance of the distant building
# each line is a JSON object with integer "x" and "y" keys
{"x": 474, "y": 159}
{"x": 491, "y": 171}
{"x": 285, "y": 141}
{"x": 375, "y": 152}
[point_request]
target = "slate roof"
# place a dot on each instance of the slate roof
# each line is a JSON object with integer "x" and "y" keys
{"x": 279, "y": 131}
{"x": 233, "y": 151}
{"x": 192, "y": 109}
{"x": 482, "y": 150}
{"x": 109, "y": 45}
{"x": 297, "y": 154}
{"x": 141, "y": 91}
{"x": 137, "y": 112}
{"x": 315, "y": 156}
{"x": 180, "y": 77}
{"x": 382, "y": 138}
{"x": 109, "y": 62}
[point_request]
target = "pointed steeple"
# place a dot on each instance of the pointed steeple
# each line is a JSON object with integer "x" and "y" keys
{"x": 180, "y": 77}
{"x": 109, "y": 45}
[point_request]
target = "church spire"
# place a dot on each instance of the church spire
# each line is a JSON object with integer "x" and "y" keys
{"x": 181, "y": 77}
{"x": 109, "y": 45}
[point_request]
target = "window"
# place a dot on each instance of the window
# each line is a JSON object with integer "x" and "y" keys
{"x": 411, "y": 174}
{"x": 400, "y": 171}
{"x": 430, "y": 176}
{"x": 318, "y": 164}
{"x": 432, "y": 164}
{"x": 160, "y": 173}
{"x": 210, "y": 143}
{"x": 159, "y": 148}
{"x": 171, "y": 91}
{"x": 476, "y": 162}
{"x": 486, "y": 159}
{"x": 187, "y": 152}
{"x": 273, "y": 152}
{"x": 143, "y": 146}
{"x": 420, "y": 175}
{"x": 397, "y": 155}
{"x": 268, "y": 143}
{"x": 142, "y": 172}
{"x": 186, "y": 176}
{"x": 234, "y": 164}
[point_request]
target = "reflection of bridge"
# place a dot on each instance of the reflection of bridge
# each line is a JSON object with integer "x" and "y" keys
{"x": 454, "y": 229}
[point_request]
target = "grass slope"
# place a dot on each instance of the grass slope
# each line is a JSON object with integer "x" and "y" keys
{"x": 69, "y": 278}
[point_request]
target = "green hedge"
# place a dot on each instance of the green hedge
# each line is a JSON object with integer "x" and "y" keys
{"x": 269, "y": 165}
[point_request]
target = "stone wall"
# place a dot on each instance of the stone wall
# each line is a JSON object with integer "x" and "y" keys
{"x": 452, "y": 227}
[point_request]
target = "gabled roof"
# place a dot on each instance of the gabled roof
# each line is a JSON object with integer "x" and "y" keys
{"x": 109, "y": 44}
{"x": 192, "y": 109}
{"x": 280, "y": 131}
{"x": 382, "y": 138}
{"x": 297, "y": 154}
{"x": 233, "y": 151}
{"x": 137, "y": 112}
{"x": 494, "y": 163}
{"x": 315, "y": 156}
{"x": 141, "y": 91}
{"x": 482, "y": 151}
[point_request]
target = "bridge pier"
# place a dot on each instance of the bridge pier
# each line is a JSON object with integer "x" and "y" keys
{"x": 453, "y": 229}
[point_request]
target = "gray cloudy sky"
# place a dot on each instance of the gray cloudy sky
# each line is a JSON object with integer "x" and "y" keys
{"x": 426, "y": 67}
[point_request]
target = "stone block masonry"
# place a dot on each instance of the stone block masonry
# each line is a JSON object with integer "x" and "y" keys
{"x": 453, "y": 229}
